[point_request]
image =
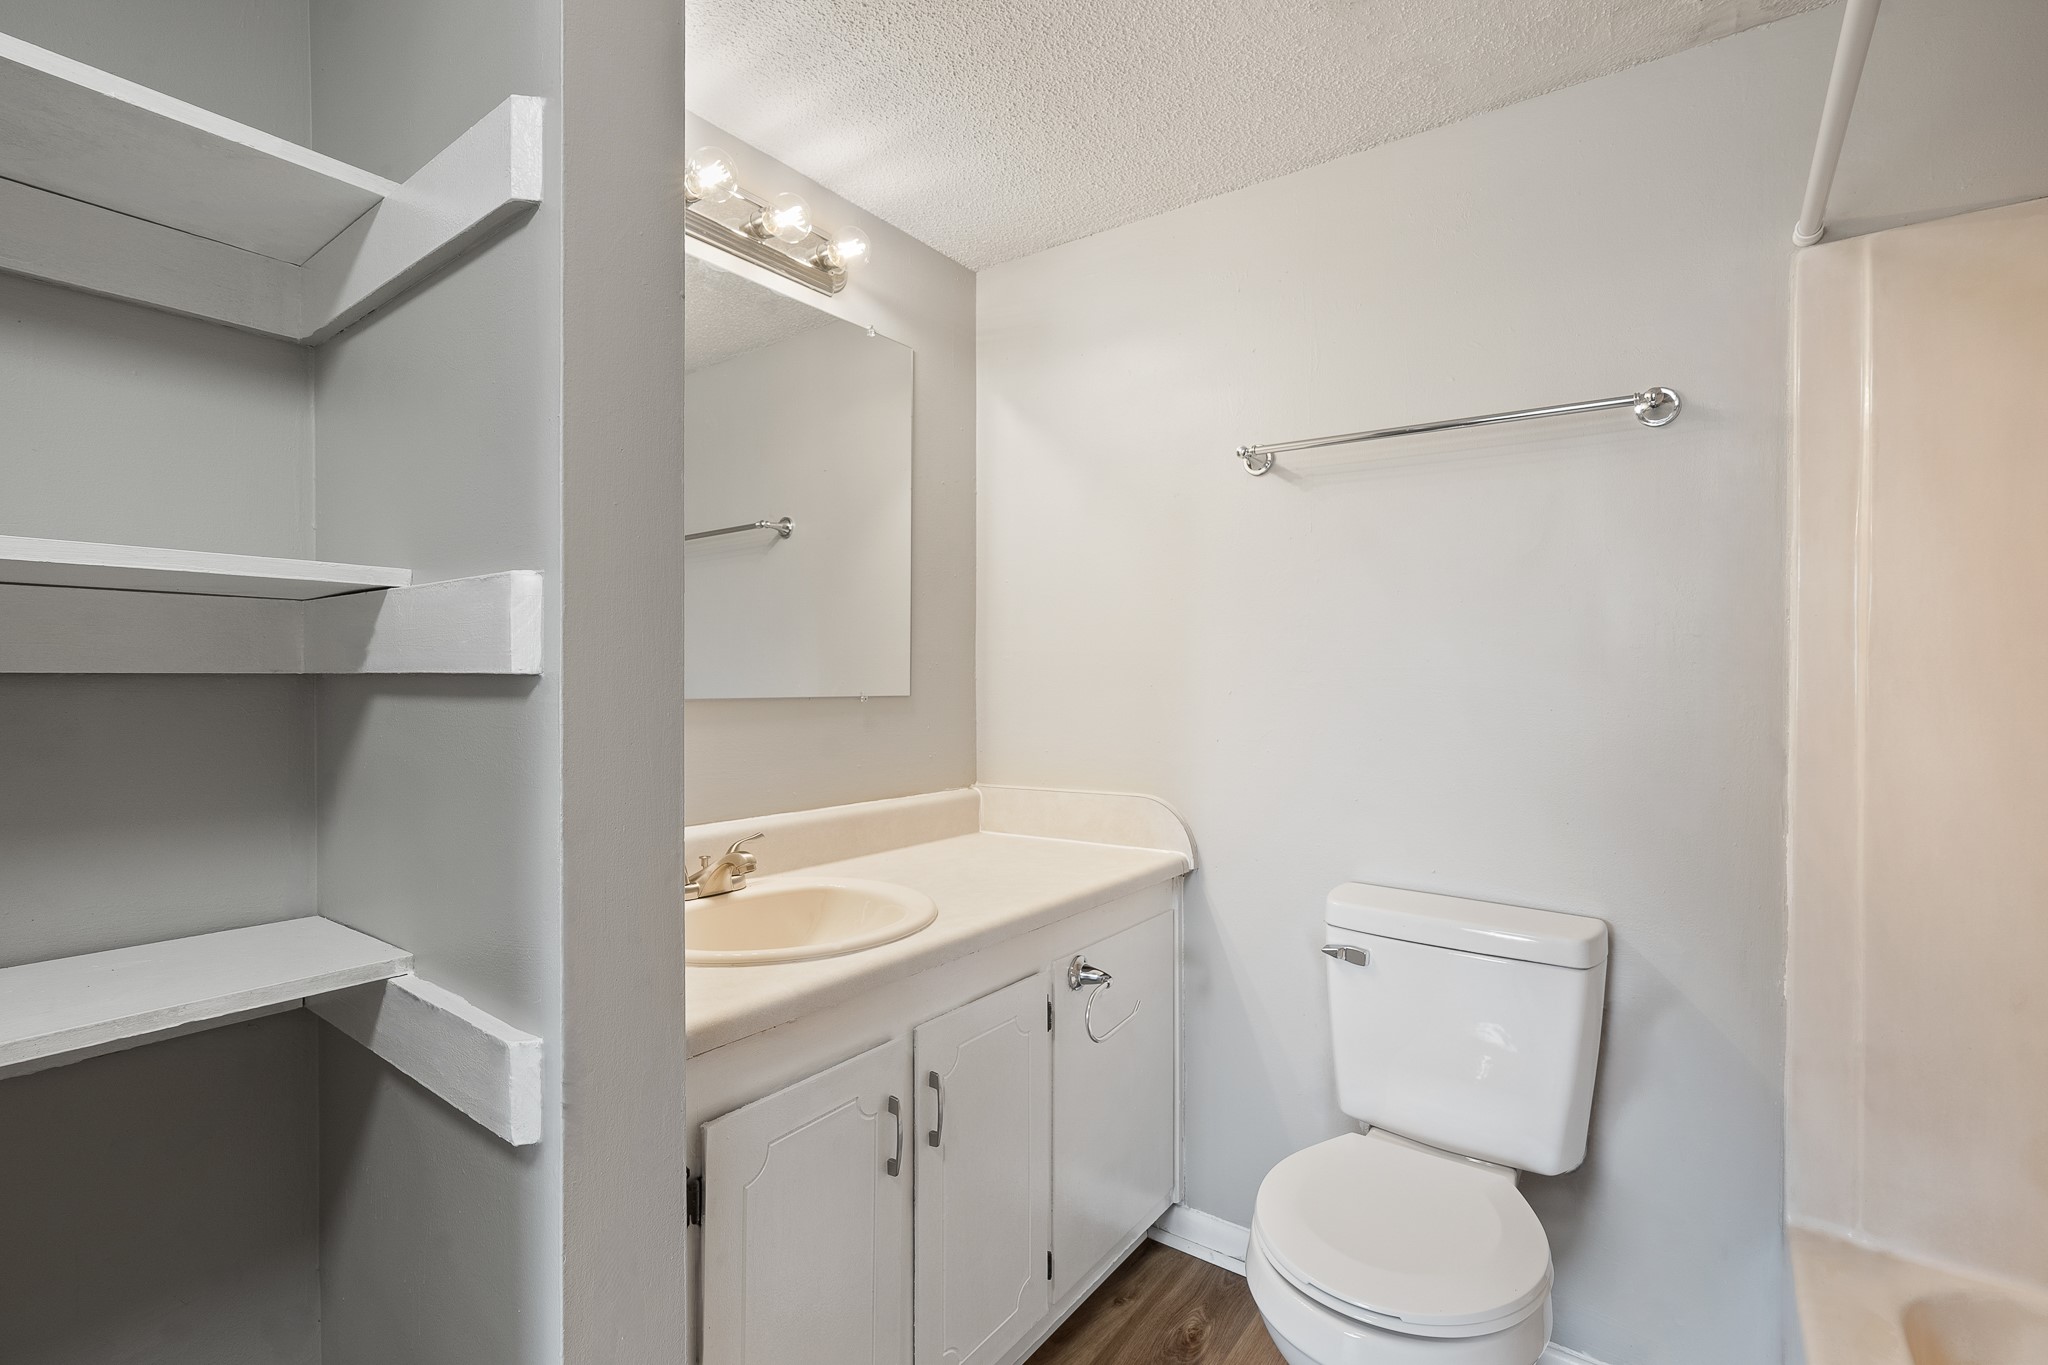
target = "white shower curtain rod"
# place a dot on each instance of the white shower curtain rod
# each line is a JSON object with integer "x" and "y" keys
{"x": 1854, "y": 45}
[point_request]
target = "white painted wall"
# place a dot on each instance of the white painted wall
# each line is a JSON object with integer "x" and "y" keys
{"x": 1540, "y": 664}
{"x": 816, "y": 428}
{"x": 440, "y": 814}
{"x": 518, "y": 835}
{"x": 623, "y": 1200}
{"x": 756, "y": 757}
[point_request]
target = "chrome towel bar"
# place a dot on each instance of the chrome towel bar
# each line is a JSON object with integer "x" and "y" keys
{"x": 781, "y": 528}
{"x": 1654, "y": 407}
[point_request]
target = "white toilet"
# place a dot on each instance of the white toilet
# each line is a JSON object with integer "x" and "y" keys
{"x": 1466, "y": 1036}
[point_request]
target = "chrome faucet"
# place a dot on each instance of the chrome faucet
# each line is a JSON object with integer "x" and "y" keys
{"x": 729, "y": 873}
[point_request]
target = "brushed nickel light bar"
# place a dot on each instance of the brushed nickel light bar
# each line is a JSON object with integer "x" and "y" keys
{"x": 1654, "y": 407}
{"x": 775, "y": 232}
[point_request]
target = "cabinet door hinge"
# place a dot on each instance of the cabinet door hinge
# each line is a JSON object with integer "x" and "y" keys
{"x": 693, "y": 1201}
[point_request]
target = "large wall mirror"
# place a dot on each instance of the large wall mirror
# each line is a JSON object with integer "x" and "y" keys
{"x": 796, "y": 490}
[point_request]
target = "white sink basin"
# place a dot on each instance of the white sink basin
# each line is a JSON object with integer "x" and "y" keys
{"x": 795, "y": 919}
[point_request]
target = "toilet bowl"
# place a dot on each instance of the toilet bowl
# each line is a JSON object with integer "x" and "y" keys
{"x": 1465, "y": 1036}
{"x": 1369, "y": 1249}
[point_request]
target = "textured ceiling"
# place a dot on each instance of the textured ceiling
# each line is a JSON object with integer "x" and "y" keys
{"x": 725, "y": 316}
{"x": 994, "y": 128}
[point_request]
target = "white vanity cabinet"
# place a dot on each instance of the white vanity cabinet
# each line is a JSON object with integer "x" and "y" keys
{"x": 807, "y": 1226}
{"x": 1038, "y": 1144}
{"x": 984, "y": 1174}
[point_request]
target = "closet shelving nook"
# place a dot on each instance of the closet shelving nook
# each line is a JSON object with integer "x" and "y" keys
{"x": 115, "y": 189}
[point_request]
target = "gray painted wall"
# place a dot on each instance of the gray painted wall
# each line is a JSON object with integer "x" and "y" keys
{"x": 143, "y": 808}
{"x": 1537, "y": 664}
{"x": 161, "y": 1205}
{"x": 150, "y": 807}
{"x": 757, "y": 757}
{"x": 439, "y": 798}
{"x": 245, "y": 59}
{"x": 136, "y": 427}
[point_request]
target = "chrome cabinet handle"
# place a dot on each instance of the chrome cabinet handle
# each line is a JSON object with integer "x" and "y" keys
{"x": 1344, "y": 952}
{"x": 931, "y": 1078}
{"x": 895, "y": 1165}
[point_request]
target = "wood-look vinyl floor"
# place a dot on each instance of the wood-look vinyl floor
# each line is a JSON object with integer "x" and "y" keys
{"x": 1163, "y": 1307}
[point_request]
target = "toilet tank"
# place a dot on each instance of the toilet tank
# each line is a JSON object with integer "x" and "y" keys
{"x": 1469, "y": 1026}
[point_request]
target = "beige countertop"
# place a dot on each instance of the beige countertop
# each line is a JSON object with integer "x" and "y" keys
{"x": 988, "y": 887}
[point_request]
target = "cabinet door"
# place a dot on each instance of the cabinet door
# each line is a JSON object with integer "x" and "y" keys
{"x": 1115, "y": 1129}
{"x": 806, "y": 1242}
{"x": 983, "y": 1175}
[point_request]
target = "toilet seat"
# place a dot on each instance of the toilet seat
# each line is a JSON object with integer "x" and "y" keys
{"x": 1404, "y": 1237}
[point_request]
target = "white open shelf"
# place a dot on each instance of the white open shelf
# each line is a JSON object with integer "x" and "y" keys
{"x": 71, "y": 1008}
{"x": 78, "y": 607}
{"x": 142, "y": 568}
{"x": 116, "y": 189}
{"x": 76, "y": 1007}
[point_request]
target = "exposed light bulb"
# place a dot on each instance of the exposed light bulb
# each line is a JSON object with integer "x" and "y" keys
{"x": 709, "y": 175}
{"x": 787, "y": 219}
{"x": 848, "y": 247}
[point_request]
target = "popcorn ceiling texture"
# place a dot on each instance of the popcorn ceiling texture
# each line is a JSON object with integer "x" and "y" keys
{"x": 995, "y": 128}
{"x": 725, "y": 316}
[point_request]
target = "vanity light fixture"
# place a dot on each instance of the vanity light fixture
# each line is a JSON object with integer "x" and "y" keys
{"x": 776, "y": 232}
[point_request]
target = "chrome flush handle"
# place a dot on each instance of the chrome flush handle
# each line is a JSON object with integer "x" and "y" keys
{"x": 1344, "y": 952}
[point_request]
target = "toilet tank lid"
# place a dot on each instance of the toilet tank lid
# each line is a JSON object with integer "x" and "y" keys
{"x": 1511, "y": 931}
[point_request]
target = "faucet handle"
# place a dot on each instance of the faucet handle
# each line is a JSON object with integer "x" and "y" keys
{"x": 747, "y": 860}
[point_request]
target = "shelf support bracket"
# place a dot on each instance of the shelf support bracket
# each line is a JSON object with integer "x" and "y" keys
{"x": 473, "y": 1060}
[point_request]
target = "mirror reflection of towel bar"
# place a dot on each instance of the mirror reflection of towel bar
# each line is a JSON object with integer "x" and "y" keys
{"x": 781, "y": 528}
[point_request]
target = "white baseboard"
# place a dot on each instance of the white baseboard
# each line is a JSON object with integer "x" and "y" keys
{"x": 1221, "y": 1242}
{"x": 1554, "y": 1354}
{"x": 1215, "y": 1240}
